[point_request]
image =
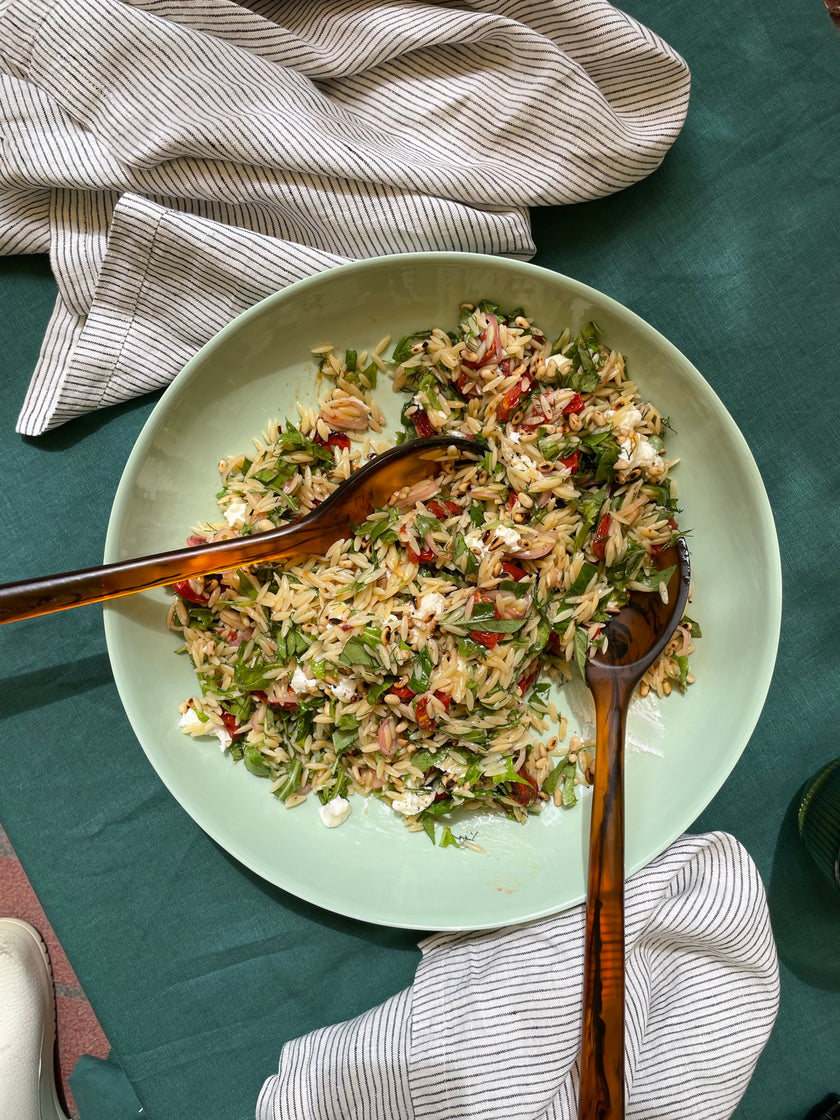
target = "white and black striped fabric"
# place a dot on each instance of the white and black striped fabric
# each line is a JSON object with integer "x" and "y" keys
{"x": 491, "y": 1028}
{"x": 181, "y": 159}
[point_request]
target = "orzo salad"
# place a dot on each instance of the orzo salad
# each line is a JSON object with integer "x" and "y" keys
{"x": 414, "y": 661}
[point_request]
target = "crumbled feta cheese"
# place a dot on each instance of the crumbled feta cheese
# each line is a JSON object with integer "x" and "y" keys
{"x": 301, "y": 683}
{"x": 475, "y": 543}
{"x": 507, "y": 534}
{"x": 413, "y": 802}
{"x": 335, "y": 812}
{"x": 190, "y": 719}
{"x": 624, "y": 420}
{"x": 514, "y": 436}
{"x": 523, "y": 462}
{"x": 236, "y": 513}
{"x": 643, "y": 455}
{"x": 224, "y": 738}
{"x": 453, "y": 765}
{"x": 562, "y": 363}
{"x": 345, "y": 689}
{"x": 431, "y": 604}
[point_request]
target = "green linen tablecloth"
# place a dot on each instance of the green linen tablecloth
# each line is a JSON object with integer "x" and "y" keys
{"x": 198, "y": 970}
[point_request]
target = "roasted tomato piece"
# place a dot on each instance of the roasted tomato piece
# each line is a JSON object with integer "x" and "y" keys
{"x": 422, "y": 424}
{"x": 486, "y": 638}
{"x": 403, "y": 692}
{"x": 444, "y": 698}
{"x": 184, "y": 588}
{"x": 524, "y": 792}
{"x": 530, "y": 676}
{"x": 513, "y": 571}
{"x": 334, "y": 439}
{"x": 572, "y": 462}
{"x": 442, "y": 508}
{"x": 421, "y": 557}
{"x": 230, "y": 725}
{"x": 599, "y": 545}
{"x": 576, "y": 404}
{"x": 512, "y": 397}
{"x": 424, "y": 720}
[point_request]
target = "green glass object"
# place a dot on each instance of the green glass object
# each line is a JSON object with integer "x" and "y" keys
{"x": 819, "y": 821}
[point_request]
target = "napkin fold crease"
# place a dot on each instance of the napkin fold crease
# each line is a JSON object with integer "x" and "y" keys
{"x": 267, "y": 141}
{"x": 491, "y": 1027}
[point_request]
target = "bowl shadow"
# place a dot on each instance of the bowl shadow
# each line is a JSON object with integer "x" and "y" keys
{"x": 804, "y": 909}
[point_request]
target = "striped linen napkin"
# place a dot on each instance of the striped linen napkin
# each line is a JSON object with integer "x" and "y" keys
{"x": 180, "y": 161}
{"x": 491, "y": 1027}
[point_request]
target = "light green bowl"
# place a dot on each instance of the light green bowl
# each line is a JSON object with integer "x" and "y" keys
{"x": 371, "y": 867}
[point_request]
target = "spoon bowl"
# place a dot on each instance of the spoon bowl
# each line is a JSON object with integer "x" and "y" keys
{"x": 370, "y": 487}
{"x": 636, "y": 636}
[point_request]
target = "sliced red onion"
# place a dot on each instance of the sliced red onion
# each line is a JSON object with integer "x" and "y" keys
{"x": 242, "y": 636}
{"x": 509, "y": 605}
{"x": 282, "y": 697}
{"x": 534, "y": 549}
{"x": 495, "y": 339}
{"x": 386, "y": 736}
{"x": 420, "y": 492}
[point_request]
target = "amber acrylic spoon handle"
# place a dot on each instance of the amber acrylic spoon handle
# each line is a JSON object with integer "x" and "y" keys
{"x": 349, "y": 505}
{"x": 602, "y": 1054}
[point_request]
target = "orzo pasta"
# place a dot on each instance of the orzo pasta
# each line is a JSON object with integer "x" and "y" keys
{"x": 414, "y": 661}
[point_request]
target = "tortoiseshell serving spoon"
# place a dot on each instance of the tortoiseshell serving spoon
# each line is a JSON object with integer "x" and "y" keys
{"x": 637, "y": 635}
{"x": 369, "y": 488}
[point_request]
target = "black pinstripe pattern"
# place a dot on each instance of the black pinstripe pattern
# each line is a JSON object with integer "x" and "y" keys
{"x": 491, "y": 1027}
{"x": 323, "y": 128}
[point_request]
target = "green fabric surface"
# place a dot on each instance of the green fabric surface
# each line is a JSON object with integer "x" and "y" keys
{"x": 197, "y": 970}
{"x": 102, "y": 1091}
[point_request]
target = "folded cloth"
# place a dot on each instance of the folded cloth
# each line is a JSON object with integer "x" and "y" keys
{"x": 180, "y": 161}
{"x": 491, "y": 1027}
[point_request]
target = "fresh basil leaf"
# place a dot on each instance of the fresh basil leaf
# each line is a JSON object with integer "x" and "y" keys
{"x": 587, "y": 571}
{"x": 425, "y": 759}
{"x": 581, "y": 647}
{"x": 291, "y": 783}
{"x": 693, "y": 627}
{"x": 248, "y": 678}
{"x": 277, "y": 476}
{"x": 402, "y": 351}
{"x": 542, "y": 635}
{"x": 569, "y": 795}
{"x": 200, "y": 618}
{"x": 447, "y": 840}
{"x": 652, "y": 581}
{"x": 605, "y": 460}
{"x": 240, "y": 707}
{"x": 556, "y": 446}
{"x": 422, "y": 671}
{"x": 355, "y": 652}
{"x": 375, "y": 692}
{"x": 509, "y": 776}
{"x": 470, "y": 650}
{"x": 496, "y": 625}
{"x": 345, "y": 737}
{"x": 520, "y": 588}
{"x": 483, "y": 611}
{"x": 424, "y": 523}
{"x": 255, "y": 762}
